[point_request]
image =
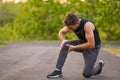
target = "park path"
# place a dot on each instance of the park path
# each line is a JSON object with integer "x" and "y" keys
{"x": 34, "y": 60}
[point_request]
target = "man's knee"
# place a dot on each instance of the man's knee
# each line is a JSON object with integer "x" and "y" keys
{"x": 65, "y": 44}
{"x": 87, "y": 75}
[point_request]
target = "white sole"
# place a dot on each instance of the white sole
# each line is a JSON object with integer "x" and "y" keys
{"x": 56, "y": 76}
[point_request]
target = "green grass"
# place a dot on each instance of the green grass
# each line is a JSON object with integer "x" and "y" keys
{"x": 113, "y": 49}
{"x": 2, "y": 42}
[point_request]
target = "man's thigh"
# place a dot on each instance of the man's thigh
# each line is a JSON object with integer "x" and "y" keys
{"x": 74, "y": 42}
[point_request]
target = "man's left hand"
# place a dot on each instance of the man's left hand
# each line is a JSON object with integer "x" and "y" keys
{"x": 71, "y": 48}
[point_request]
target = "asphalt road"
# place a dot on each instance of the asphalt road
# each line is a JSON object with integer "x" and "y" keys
{"x": 34, "y": 60}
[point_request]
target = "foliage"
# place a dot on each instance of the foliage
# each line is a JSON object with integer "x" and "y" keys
{"x": 2, "y": 42}
{"x": 41, "y": 20}
{"x": 110, "y": 19}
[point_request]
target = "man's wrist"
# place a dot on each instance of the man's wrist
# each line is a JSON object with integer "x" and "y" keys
{"x": 77, "y": 47}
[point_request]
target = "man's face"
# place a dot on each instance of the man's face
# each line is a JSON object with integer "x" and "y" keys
{"x": 73, "y": 27}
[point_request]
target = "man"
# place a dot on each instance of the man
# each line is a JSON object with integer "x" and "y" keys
{"x": 89, "y": 44}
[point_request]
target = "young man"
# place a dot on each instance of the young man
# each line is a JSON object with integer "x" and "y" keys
{"x": 89, "y": 44}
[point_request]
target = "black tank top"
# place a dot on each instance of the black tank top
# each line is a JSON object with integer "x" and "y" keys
{"x": 81, "y": 33}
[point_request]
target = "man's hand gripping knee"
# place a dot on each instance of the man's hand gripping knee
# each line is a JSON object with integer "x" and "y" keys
{"x": 62, "y": 44}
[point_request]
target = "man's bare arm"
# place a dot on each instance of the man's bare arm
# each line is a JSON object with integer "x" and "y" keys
{"x": 62, "y": 33}
{"x": 89, "y": 28}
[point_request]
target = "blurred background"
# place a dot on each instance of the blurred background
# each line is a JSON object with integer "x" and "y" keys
{"x": 40, "y": 20}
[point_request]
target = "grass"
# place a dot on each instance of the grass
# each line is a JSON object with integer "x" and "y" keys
{"x": 2, "y": 42}
{"x": 113, "y": 49}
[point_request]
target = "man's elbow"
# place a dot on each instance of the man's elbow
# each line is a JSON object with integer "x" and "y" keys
{"x": 61, "y": 32}
{"x": 91, "y": 45}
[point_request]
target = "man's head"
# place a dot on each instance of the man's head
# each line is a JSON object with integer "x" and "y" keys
{"x": 71, "y": 20}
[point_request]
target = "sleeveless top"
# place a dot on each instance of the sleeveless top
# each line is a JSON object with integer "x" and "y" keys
{"x": 81, "y": 33}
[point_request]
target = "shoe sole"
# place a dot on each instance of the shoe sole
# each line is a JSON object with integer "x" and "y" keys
{"x": 54, "y": 77}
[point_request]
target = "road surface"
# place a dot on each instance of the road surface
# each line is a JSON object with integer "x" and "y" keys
{"x": 34, "y": 60}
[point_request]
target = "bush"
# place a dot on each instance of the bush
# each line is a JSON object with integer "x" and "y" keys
{"x": 41, "y": 20}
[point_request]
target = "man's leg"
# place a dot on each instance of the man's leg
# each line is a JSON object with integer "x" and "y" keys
{"x": 61, "y": 58}
{"x": 63, "y": 53}
{"x": 90, "y": 57}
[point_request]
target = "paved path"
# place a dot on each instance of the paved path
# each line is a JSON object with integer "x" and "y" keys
{"x": 34, "y": 60}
